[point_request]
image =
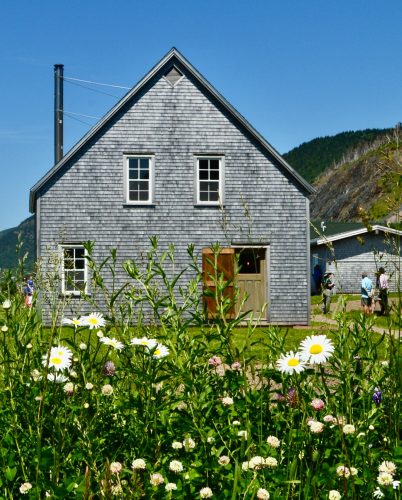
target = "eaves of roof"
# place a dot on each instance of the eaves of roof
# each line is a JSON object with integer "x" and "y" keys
{"x": 172, "y": 54}
{"x": 357, "y": 232}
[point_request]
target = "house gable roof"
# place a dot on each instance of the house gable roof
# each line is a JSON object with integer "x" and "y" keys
{"x": 355, "y": 232}
{"x": 168, "y": 60}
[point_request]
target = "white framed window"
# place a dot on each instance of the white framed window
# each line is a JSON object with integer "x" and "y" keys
{"x": 209, "y": 179}
{"x": 74, "y": 270}
{"x": 139, "y": 173}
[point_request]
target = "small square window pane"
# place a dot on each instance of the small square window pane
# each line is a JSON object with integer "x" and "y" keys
{"x": 133, "y": 163}
{"x": 133, "y": 174}
{"x": 213, "y": 186}
{"x": 214, "y": 164}
{"x": 143, "y": 195}
{"x": 143, "y": 185}
{"x": 144, "y": 174}
{"x": 80, "y": 264}
{"x": 79, "y": 253}
{"x": 204, "y": 196}
{"x": 213, "y": 196}
{"x": 203, "y": 164}
{"x": 69, "y": 253}
{"x": 214, "y": 175}
{"x": 144, "y": 163}
{"x": 204, "y": 174}
{"x": 133, "y": 196}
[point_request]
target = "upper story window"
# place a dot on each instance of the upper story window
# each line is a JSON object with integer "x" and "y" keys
{"x": 209, "y": 172}
{"x": 74, "y": 270}
{"x": 139, "y": 179}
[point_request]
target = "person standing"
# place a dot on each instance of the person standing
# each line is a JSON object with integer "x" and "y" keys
{"x": 366, "y": 287}
{"x": 383, "y": 291}
{"x": 328, "y": 285}
{"x": 317, "y": 277}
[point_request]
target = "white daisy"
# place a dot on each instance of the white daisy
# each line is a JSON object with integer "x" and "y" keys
{"x": 290, "y": 363}
{"x": 57, "y": 378}
{"x": 316, "y": 349}
{"x": 159, "y": 351}
{"x": 144, "y": 341}
{"x": 112, "y": 342}
{"x": 74, "y": 322}
{"x": 59, "y": 358}
{"x": 93, "y": 320}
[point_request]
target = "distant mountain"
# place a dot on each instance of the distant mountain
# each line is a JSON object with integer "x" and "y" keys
{"x": 311, "y": 158}
{"x": 8, "y": 245}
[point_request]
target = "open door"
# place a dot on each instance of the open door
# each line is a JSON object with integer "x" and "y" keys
{"x": 251, "y": 279}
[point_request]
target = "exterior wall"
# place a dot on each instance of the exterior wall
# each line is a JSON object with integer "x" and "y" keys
{"x": 351, "y": 256}
{"x": 85, "y": 201}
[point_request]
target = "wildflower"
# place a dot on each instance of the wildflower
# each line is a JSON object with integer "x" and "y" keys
{"x": 7, "y": 305}
{"x": 69, "y": 388}
{"x": 210, "y": 440}
{"x": 348, "y": 429}
{"x": 215, "y": 361}
{"x": 74, "y": 322}
{"x": 334, "y": 495}
{"x": 109, "y": 369}
{"x": 138, "y": 464}
{"x": 159, "y": 351}
{"x": 353, "y": 471}
{"x": 94, "y": 320}
{"x": 107, "y": 390}
{"x": 86, "y": 405}
{"x": 236, "y": 422}
{"x": 29, "y": 346}
{"x": 236, "y": 366}
{"x": 343, "y": 471}
{"x": 316, "y": 349}
{"x": 316, "y": 427}
{"x": 378, "y": 493}
{"x": 256, "y": 463}
{"x": 156, "y": 479}
{"x": 89, "y": 386}
{"x": 262, "y": 494}
{"x": 206, "y": 492}
{"x": 116, "y": 490}
{"x": 59, "y": 358}
{"x": 371, "y": 427}
{"x": 384, "y": 479}
{"x": 242, "y": 434}
{"x": 171, "y": 487}
{"x": 35, "y": 374}
{"x": 189, "y": 443}
{"x": 244, "y": 466}
{"x": 271, "y": 462}
{"x": 317, "y": 404}
{"x": 176, "y": 466}
{"x": 377, "y": 396}
{"x": 144, "y": 341}
{"x": 341, "y": 420}
{"x": 328, "y": 419}
{"x": 292, "y": 398}
{"x": 273, "y": 441}
{"x": 387, "y": 466}
{"x": 396, "y": 484}
{"x": 83, "y": 346}
{"x": 99, "y": 334}
{"x": 58, "y": 378}
{"x": 223, "y": 460}
{"x": 25, "y": 487}
{"x": 227, "y": 401}
{"x": 112, "y": 342}
{"x": 182, "y": 405}
{"x": 4, "y": 328}
{"x": 176, "y": 445}
{"x": 290, "y": 363}
{"x": 116, "y": 467}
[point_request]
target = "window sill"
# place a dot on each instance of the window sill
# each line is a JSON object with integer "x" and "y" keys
{"x": 208, "y": 205}
{"x": 139, "y": 205}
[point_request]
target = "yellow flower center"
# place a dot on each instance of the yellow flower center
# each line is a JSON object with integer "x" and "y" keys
{"x": 293, "y": 362}
{"x": 56, "y": 361}
{"x": 157, "y": 352}
{"x": 93, "y": 321}
{"x": 316, "y": 349}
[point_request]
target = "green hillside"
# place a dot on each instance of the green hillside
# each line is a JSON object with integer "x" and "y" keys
{"x": 8, "y": 243}
{"x": 311, "y": 158}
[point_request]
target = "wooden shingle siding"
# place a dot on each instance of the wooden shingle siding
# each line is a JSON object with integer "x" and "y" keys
{"x": 86, "y": 200}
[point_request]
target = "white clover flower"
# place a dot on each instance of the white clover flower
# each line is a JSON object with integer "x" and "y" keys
{"x": 171, "y": 487}
{"x": 156, "y": 479}
{"x": 25, "y": 487}
{"x": 387, "y": 466}
{"x": 93, "y": 320}
{"x": 4, "y": 328}
{"x": 316, "y": 349}
{"x": 223, "y": 460}
{"x": 348, "y": 429}
{"x": 242, "y": 434}
{"x": 384, "y": 479}
{"x": 176, "y": 466}
{"x": 353, "y": 471}
{"x": 206, "y": 492}
{"x": 210, "y": 440}
{"x": 334, "y": 495}
{"x": 245, "y": 466}
{"x": 290, "y": 363}
{"x": 262, "y": 494}
{"x": 112, "y": 342}
{"x": 316, "y": 427}
{"x": 189, "y": 443}
{"x": 69, "y": 388}
{"x": 86, "y": 405}
{"x": 35, "y": 374}
{"x": 329, "y": 419}
{"x": 176, "y": 445}
{"x": 343, "y": 471}
{"x": 271, "y": 462}
{"x": 7, "y": 305}
{"x": 107, "y": 390}
{"x": 89, "y": 386}
{"x": 273, "y": 441}
{"x": 257, "y": 463}
{"x": 83, "y": 346}
{"x": 227, "y": 401}
{"x": 139, "y": 464}
{"x": 59, "y": 358}
{"x": 116, "y": 467}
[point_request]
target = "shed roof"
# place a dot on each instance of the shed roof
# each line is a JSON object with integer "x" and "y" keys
{"x": 170, "y": 58}
{"x": 322, "y": 240}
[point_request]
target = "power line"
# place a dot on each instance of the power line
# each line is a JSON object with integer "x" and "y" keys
{"x": 96, "y": 83}
{"x": 78, "y": 114}
{"x": 78, "y": 120}
{"x": 93, "y": 90}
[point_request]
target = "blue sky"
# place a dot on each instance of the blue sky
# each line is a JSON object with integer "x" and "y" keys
{"x": 295, "y": 69}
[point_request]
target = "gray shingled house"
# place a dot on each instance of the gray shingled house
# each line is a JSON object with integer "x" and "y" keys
{"x": 348, "y": 253}
{"x": 174, "y": 159}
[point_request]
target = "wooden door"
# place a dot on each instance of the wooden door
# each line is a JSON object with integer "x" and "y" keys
{"x": 251, "y": 279}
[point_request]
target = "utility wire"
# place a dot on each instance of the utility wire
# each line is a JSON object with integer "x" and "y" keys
{"x": 78, "y": 114}
{"x": 96, "y": 83}
{"x": 78, "y": 120}
{"x": 93, "y": 90}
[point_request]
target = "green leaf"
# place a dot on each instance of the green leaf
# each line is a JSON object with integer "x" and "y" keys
{"x": 10, "y": 473}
